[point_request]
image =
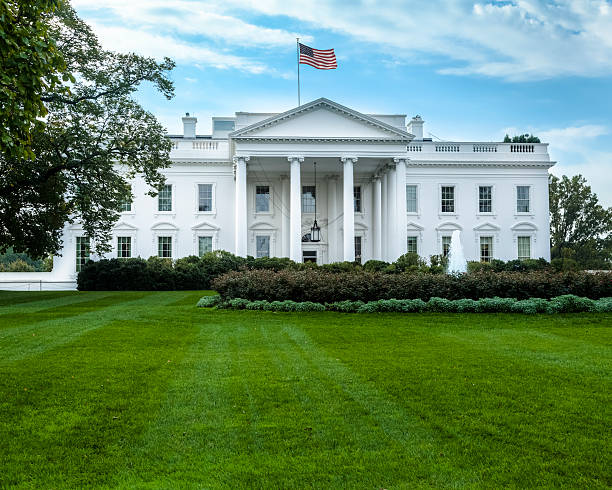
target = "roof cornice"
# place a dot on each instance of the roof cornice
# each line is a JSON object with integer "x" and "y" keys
{"x": 399, "y": 134}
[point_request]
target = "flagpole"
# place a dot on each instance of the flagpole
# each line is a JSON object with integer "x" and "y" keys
{"x": 297, "y": 44}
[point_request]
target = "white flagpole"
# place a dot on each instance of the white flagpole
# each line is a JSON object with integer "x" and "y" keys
{"x": 297, "y": 41}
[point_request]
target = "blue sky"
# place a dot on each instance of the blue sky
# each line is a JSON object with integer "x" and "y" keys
{"x": 473, "y": 70}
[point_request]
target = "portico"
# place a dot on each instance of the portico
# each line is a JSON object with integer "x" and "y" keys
{"x": 360, "y": 189}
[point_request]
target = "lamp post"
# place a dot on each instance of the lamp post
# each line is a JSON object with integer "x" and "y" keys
{"x": 315, "y": 230}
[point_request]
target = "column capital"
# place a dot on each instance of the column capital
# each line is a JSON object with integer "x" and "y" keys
{"x": 401, "y": 160}
{"x": 345, "y": 159}
{"x": 293, "y": 158}
{"x": 237, "y": 158}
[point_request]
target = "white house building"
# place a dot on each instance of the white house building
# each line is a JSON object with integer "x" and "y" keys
{"x": 381, "y": 189}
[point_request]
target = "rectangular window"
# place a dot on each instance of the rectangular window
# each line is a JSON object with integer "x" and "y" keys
{"x": 205, "y": 198}
{"x": 524, "y": 247}
{"x": 486, "y": 248}
{"x": 262, "y": 199}
{"x": 446, "y": 241}
{"x": 309, "y": 256}
{"x": 485, "y": 199}
{"x": 164, "y": 246}
{"x": 309, "y": 195}
{"x": 357, "y": 198}
{"x": 126, "y": 206}
{"x": 82, "y": 252}
{"x": 448, "y": 199}
{"x": 204, "y": 245}
{"x": 164, "y": 198}
{"x": 412, "y": 245}
{"x": 358, "y": 249}
{"x": 411, "y": 199}
{"x": 124, "y": 247}
{"x": 522, "y": 199}
{"x": 263, "y": 246}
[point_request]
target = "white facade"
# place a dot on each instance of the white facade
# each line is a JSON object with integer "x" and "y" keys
{"x": 246, "y": 189}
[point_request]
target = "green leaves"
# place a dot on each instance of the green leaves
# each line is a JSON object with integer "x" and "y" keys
{"x": 579, "y": 225}
{"x": 75, "y": 165}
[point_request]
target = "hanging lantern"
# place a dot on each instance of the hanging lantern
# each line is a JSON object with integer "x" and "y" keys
{"x": 315, "y": 230}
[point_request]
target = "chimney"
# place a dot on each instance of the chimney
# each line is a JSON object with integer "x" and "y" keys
{"x": 415, "y": 127}
{"x": 189, "y": 126}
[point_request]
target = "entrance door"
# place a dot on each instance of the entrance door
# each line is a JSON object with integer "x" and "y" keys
{"x": 309, "y": 256}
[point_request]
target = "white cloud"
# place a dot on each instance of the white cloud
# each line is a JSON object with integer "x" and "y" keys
{"x": 184, "y": 17}
{"x": 154, "y": 45}
{"x": 572, "y": 138}
{"x": 518, "y": 40}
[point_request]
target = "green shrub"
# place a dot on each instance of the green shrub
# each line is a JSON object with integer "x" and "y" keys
{"x": 345, "y": 306}
{"x": 530, "y": 306}
{"x": 466, "y": 305}
{"x": 604, "y": 305}
{"x": 209, "y": 301}
{"x": 561, "y": 304}
{"x": 495, "y": 305}
{"x": 440, "y": 305}
{"x": 375, "y": 265}
{"x": 568, "y": 303}
{"x": 321, "y": 286}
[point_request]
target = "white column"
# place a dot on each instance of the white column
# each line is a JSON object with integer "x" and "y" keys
{"x": 241, "y": 205}
{"x": 384, "y": 216}
{"x": 402, "y": 222}
{"x": 333, "y": 217}
{"x": 285, "y": 223}
{"x": 348, "y": 209}
{"x": 376, "y": 218}
{"x": 295, "y": 208}
{"x": 392, "y": 211}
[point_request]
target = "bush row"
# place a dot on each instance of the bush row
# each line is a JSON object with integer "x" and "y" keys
{"x": 324, "y": 287}
{"x": 561, "y": 304}
{"x": 193, "y": 272}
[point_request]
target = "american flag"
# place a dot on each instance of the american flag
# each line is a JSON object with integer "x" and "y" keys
{"x": 322, "y": 59}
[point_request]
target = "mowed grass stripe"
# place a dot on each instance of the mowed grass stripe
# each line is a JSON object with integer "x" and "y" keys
{"x": 68, "y": 420}
{"x": 31, "y": 339}
{"x": 484, "y": 405}
{"x": 421, "y": 457}
{"x": 200, "y": 427}
{"x": 67, "y": 306}
{"x": 359, "y": 436}
{"x": 9, "y": 298}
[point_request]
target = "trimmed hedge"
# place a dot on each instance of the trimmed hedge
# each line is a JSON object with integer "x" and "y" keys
{"x": 560, "y": 304}
{"x": 324, "y": 287}
{"x": 192, "y": 273}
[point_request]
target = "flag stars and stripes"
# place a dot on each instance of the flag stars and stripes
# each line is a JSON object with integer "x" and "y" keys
{"x": 322, "y": 59}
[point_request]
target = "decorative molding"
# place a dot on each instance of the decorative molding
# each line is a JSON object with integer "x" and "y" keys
{"x": 399, "y": 135}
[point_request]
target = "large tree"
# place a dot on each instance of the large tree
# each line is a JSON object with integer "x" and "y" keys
{"x": 96, "y": 137}
{"x": 580, "y": 227}
{"x": 30, "y": 65}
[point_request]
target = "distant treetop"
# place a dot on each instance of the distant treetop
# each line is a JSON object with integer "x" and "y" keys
{"x": 522, "y": 138}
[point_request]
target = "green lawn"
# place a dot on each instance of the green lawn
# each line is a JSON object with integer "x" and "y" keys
{"x": 142, "y": 389}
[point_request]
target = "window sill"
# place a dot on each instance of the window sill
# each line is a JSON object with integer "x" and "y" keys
{"x": 159, "y": 214}
{"x": 524, "y": 214}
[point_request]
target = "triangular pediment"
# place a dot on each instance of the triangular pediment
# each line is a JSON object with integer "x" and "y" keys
{"x": 487, "y": 227}
{"x": 205, "y": 226}
{"x": 123, "y": 226}
{"x": 412, "y": 226}
{"x": 322, "y": 119}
